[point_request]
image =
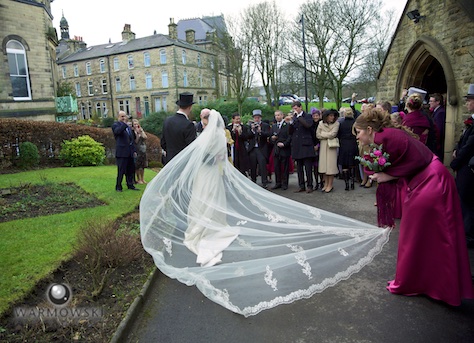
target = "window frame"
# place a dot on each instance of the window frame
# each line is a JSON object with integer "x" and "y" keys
{"x": 16, "y": 53}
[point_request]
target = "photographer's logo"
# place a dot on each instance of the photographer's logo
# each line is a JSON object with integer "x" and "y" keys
{"x": 59, "y": 294}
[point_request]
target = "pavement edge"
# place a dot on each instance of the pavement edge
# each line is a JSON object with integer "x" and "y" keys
{"x": 125, "y": 325}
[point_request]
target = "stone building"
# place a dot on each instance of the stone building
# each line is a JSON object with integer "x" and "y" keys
{"x": 433, "y": 49}
{"x": 27, "y": 69}
{"x": 139, "y": 75}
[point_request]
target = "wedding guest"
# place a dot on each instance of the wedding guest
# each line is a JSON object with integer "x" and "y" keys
{"x": 364, "y": 149}
{"x": 415, "y": 120}
{"x": 463, "y": 152}
{"x": 289, "y": 119}
{"x": 432, "y": 254}
{"x": 439, "y": 117}
{"x": 348, "y": 149}
{"x": 240, "y": 135}
{"x": 302, "y": 146}
{"x": 178, "y": 130}
{"x": 281, "y": 140}
{"x": 318, "y": 179}
{"x": 141, "y": 161}
{"x": 328, "y": 129}
{"x": 257, "y": 148}
{"x": 124, "y": 152}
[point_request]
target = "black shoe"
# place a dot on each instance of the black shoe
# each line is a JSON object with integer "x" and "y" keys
{"x": 310, "y": 190}
{"x": 301, "y": 190}
{"x": 118, "y": 190}
{"x": 133, "y": 188}
{"x": 276, "y": 187}
{"x": 284, "y": 188}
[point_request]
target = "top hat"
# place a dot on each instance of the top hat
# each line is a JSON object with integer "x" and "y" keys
{"x": 470, "y": 92}
{"x": 185, "y": 99}
{"x": 256, "y": 113}
{"x": 420, "y": 91}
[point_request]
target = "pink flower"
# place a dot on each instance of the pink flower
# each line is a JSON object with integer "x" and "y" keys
{"x": 382, "y": 161}
{"x": 377, "y": 153}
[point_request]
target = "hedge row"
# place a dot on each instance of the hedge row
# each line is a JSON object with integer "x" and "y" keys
{"x": 48, "y": 137}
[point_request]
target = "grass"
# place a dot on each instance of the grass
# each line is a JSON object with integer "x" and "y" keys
{"x": 327, "y": 105}
{"x": 32, "y": 248}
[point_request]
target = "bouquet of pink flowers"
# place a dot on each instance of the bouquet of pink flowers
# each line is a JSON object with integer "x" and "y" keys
{"x": 376, "y": 159}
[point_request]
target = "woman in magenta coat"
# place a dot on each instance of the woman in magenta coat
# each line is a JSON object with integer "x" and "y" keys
{"x": 432, "y": 253}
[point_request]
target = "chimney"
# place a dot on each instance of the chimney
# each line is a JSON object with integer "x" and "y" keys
{"x": 127, "y": 34}
{"x": 190, "y": 36}
{"x": 173, "y": 29}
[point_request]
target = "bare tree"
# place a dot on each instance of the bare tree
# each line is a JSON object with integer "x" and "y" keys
{"x": 238, "y": 49}
{"x": 265, "y": 24}
{"x": 338, "y": 31}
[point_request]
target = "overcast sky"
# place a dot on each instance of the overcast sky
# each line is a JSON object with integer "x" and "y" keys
{"x": 97, "y": 21}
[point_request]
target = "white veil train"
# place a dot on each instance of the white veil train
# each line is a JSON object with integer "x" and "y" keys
{"x": 244, "y": 247}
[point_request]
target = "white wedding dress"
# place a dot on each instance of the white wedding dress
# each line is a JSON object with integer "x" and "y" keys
{"x": 245, "y": 248}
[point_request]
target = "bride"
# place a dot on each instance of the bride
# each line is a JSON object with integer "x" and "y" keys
{"x": 245, "y": 248}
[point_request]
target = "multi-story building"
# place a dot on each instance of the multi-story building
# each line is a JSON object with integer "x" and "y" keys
{"x": 140, "y": 75}
{"x": 28, "y": 64}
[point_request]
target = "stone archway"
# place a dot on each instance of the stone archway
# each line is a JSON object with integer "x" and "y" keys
{"x": 427, "y": 66}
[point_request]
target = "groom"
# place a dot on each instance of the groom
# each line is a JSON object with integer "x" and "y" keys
{"x": 178, "y": 130}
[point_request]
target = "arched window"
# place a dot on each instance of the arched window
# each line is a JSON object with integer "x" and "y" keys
{"x": 183, "y": 56}
{"x": 18, "y": 67}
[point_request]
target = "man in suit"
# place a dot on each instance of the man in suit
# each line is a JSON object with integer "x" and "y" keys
{"x": 124, "y": 152}
{"x": 439, "y": 118}
{"x": 463, "y": 152}
{"x": 178, "y": 130}
{"x": 281, "y": 140}
{"x": 302, "y": 146}
{"x": 240, "y": 135}
{"x": 257, "y": 148}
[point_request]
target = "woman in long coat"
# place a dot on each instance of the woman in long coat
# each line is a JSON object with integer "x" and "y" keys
{"x": 327, "y": 129}
{"x": 348, "y": 149}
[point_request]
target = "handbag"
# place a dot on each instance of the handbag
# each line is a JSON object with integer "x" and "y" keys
{"x": 333, "y": 142}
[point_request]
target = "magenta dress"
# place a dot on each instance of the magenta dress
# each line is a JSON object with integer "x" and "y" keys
{"x": 432, "y": 253}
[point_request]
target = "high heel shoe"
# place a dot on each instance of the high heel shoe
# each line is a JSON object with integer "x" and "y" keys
{"x": 368, "y": 185}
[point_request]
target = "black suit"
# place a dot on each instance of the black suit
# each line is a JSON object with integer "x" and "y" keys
{"x": 465, "y": 179}
{"x": 124, "y": 153}
{"x": 281, "y": 155}
{"x": 178, "y": 133}
{"x": 258, "y": 152}
{"x": 302, "y": 148}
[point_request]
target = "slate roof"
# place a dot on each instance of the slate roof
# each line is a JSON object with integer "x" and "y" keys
{"x": 201, "y": 26}
{"x": 138, "y": 44}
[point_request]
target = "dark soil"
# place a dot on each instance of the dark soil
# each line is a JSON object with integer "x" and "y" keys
{"x": 104, "y": 313}
{"x": 28, "y": 201}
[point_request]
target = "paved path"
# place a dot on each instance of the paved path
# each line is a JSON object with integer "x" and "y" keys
{"x": 356, "y": 310}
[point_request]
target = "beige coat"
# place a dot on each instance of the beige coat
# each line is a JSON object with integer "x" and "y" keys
{"x": 327, "y": 156}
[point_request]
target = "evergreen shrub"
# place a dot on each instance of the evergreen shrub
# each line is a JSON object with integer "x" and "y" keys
{"x": 82, "y": 151}
{"x": 29, "y": 156}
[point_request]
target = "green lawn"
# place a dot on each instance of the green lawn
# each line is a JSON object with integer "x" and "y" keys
{"x": 327, "y": 105}
{"x": 30, "y": 249}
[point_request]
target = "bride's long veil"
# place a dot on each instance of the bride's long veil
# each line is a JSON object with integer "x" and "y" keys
{"x": 257, "y": 249}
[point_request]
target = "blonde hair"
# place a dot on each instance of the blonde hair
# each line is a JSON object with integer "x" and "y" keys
{"x": 414, "y": 101}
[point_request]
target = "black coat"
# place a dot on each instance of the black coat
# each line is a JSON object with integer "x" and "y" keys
{"x": 283, "y": 136}
{"x": 178, "y": 133}
{"x": 302, "y": 144}
{"x": 348, "y": 149}
{"x": 261, "y": 138}
{"x": 124, "y": 140}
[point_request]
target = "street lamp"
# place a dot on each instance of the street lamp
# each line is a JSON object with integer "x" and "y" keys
{"x": 304, "y": 64}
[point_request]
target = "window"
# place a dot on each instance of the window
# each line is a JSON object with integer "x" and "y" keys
{"x": 213, "y": 82}
{"x": 104, "y": 86}
{"x": 90, "y": 88}
{"x": 124, "y": 105}
{"x": 88, "y": 68}
{"x": 185, "y": 78}
{"x": 118, "y": 85}
{"x": 78, "y": 89}
{"x": 98, "y": 108}
{"x": 105, "y": 111}
{"x": 164, "y": 79}
{"x": 83, "y": 110}
{"x": 200, "y": 79}
{"x": 147, "y": 105}
{"x": 212, "y": 64}
{"x": 160, "y": 104}
{"x": 199, "y": 60}
{"x": 146, "y": 59}
{"x": 183, "y": 56}
{"x": 63, "y": 70}
{"x": 102, "y": 66}
{"x": 18, "y": 68}
{"x": 148, "y": 82}
{"x": 89, "y": 107}
{"x": 132, "y": 83}
{"x": 130, "y": 61}
{"x": 76, "y": 70}
{"x": 116, "y": 64}
{"x": 163, "y": 56}
{"x": 165, "y": 106}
